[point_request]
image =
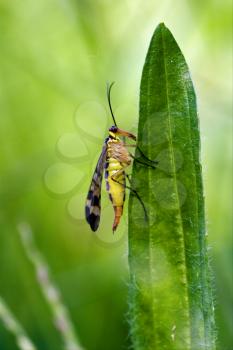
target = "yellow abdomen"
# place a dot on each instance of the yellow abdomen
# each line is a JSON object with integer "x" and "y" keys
{"x": 115, "y": 182}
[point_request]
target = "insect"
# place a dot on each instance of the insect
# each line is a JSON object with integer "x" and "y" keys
{"x": 114, "y": 159}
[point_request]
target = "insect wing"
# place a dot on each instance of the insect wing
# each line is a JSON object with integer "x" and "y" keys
{"x": 93, "y": 204}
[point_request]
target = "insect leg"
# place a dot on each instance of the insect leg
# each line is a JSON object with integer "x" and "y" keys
{"x": 143, "y": 163}
{"x": 142, "y": 154}
{"x": 138, "y": 197}
{"x": 128, "y": 177}
{"x": 132, "y": 190}
{"x": 145, "y": 157}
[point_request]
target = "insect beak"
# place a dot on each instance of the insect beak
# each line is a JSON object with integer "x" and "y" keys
{"x": 126, "y": 133}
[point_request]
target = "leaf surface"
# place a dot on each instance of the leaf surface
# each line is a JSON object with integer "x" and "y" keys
{"x": 171, "y": 304}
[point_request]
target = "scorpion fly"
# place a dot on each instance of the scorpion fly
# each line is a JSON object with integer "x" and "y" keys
{"x": 114, "y": 159}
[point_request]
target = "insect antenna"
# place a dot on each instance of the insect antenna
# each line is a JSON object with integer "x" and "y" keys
{"x": 109, "y": 87}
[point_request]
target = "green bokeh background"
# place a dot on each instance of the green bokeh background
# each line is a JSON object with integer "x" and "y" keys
{"x": 55, "y": 59}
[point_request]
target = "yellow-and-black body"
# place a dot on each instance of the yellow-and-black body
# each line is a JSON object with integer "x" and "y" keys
{"x": 117, "y": 160}
{"x": 113, "y": 159}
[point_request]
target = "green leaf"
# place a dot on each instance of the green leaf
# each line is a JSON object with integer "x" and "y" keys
{"x": 171, "y": 305}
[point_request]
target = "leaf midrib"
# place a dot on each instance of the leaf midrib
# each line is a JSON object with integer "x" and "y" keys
{"x": 170, "y": 140}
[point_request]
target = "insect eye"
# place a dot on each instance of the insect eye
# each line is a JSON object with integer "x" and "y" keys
{"x": 113, "y": 128}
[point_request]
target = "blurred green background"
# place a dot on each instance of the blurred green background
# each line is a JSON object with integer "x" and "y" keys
{"x": 55, "y": 59}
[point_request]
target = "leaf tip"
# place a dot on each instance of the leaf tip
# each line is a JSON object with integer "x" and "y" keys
{"x": 160, "y": 28}
{"x": 161, "y": 25}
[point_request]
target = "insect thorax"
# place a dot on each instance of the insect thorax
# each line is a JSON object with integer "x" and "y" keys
{"x": 117, "y": 150}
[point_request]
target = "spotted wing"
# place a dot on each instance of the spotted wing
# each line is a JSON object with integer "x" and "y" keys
{"x": 93, "y": 204}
